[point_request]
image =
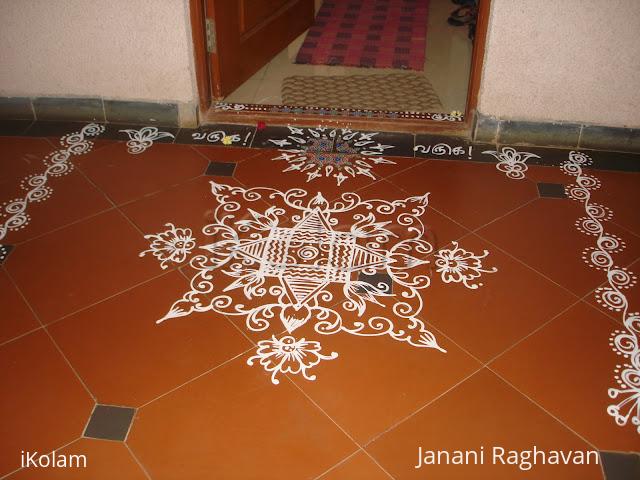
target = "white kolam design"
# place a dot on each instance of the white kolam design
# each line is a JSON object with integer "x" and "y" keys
{"x": 140, "y": 140}
{"x": 311, "y": 151}
{"x": 512, "y": 162}
{"x": 294, "y": 260}
{"x": 4, "y": 251}
{"x": 173, "y": 245}
{"x": 14, "y": 212}
{"x": 626, "y": 342}
{"x": 457, "y": 265}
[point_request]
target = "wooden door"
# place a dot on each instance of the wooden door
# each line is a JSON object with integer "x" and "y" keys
{"x": 248, "y": 34}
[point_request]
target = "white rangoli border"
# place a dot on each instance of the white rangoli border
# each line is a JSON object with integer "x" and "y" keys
{"x": 142, "y": 139}
{"x": 625, "y": 343}
{"x": 15, "y": 211}
{"x": 511, "y": 162}
{"x": 304, "y": 259}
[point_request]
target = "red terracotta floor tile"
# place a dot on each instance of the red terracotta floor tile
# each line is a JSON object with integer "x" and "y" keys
{"x": 619, "y": 191}
{"x": 543, "y": 234}
{"x": 73, "y": 198}
{"x": 78, "y": 265}
{"x": 234, "y": 424}
{"x": 567, "y": 367}
{"x": 125, "y": 358}
{"x": 105, "y": 460}
{"x": 20, "y": 157}
{"x": 376, "y": 381}
{"x": 17, "y": 317}
{"x": 510, "y": 304}
{"x": 124, "y": 177}
{"x": 188, "y": 205}
{"x": 481, "y": 412}
{"x": 70, "y": 197}
{"x": 43, "y": 404}
{"x": 472, "y": 194}
{"x": 357, "y": 467}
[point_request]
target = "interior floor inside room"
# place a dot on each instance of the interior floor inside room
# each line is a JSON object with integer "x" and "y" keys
{"x": 238, "y": 302}
{"x": 439, "y": 84}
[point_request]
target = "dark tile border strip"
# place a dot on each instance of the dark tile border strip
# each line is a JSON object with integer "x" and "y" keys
{"x": 232, "y": 135}
{"x": 620, "y": 465}
{"x": 16, "y": 108}
{"x": 88, "y": 109}
{"x": 558, "y": 134}
{"x": 434, "y": 147}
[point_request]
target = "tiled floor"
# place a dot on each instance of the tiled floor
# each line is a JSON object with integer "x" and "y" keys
{"x": 328, "y": 303}
{"x": 447, "y": 66}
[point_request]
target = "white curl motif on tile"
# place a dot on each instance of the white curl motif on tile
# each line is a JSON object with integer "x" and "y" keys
{"x": 140, "y": 140}
{"x": 4, "y": 251}
{"x": 625, "y": 343}
{"x": 299, "y": 264}
{"x": 171, "y": 246}
{"x": 14, "y": 212}
{"x": 511, "y": 162}
{"x": 457, "y": 265}
{"x": 311, "y": 151}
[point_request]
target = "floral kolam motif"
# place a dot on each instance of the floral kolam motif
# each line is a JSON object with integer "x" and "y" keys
{"x": 303, "y": 263}
{"x": 512, "y": 162}
{"x": 140, "y": 140}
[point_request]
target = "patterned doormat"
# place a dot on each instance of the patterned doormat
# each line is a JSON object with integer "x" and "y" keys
{"x": 396, "y": 92}
{"x": 368, "y": 33}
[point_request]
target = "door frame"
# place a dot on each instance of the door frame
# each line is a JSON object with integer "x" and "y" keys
{"x": 207, "y": 114}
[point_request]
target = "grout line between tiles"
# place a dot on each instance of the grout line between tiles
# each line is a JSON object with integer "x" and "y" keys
{"x": 533, "y": 332}
{"x": 97, "y": 302}
{"x": 333, "y": 467}
{"x": 61, "y": 227}
{"x": 193, "y": 379}
{"x": 86, "y": 387}
{"x": 541, "y": 408}
{"x": 339, "y": 426}
{"x": 11, "y": 473}
{"x": 477, "y": 229}
{"x": 86, "y": 424}
{"x": 137, "y": 460}
{"x": 18, "y": 337}
{"x": 419, "y": 409}
{"x": 529, "y": 266}
{"x": 55, "y": 344}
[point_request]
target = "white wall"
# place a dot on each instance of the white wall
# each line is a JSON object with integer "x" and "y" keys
{"x": 117, "y": 49}
{"x": 573, "y": 60}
